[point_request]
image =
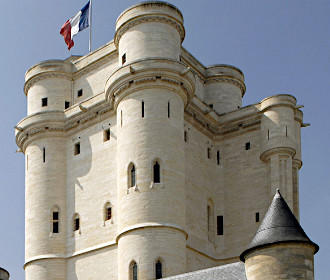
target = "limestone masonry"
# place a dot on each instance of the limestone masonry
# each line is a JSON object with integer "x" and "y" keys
{"x": 141, "y": 163}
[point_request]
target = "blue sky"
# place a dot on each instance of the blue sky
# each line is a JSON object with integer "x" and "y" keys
{"x": 281, "y": 46}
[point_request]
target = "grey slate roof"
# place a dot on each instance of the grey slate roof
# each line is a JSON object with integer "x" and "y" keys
{"x": 233, "y": 271}
{"x": 278, "y": 226}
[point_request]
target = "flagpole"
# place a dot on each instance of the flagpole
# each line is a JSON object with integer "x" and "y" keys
{"x": 90, "y": 25}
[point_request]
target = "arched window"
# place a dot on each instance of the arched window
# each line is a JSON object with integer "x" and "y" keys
{"x": 159, "y": 270}
{"x": 131, "y": 175}
{"x": 133, "y": 271}
{"x": 156, "y": 172}
{"x": 55, "y": 220}
{"x": 76, "y": 222}
{"x": 107, "y": 211}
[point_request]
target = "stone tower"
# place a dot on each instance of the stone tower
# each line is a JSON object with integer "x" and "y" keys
{"x": 280, "y": 249}
{"x": 4, "y": 274}
{"x": 139, "y": 159}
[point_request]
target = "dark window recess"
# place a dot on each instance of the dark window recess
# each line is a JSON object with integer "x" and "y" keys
{"x": 247, "y": 146}
{"x": 219, "y": 225}
{"x": 257, "y": 217}
{"x": 44, "y": 154}
{"x": 268, "y": 134}
{"x": 211, "y": 106}
{"x": 208, "y": 153}
{"x": 132, "y": 174}
{"x": 77, "y": 149}
{"x": 76, "y": 224}
{"x": 286, "y": 131}
{"x": 44, "y": 102}
{"x": 66, "y": 104}
{"x": 156, "y": 172}
{"x": 123, "y": 59}
{"x": 55, "y": 222}
{"x": 55, "y": 215}
{"x": 80, "y": 93}
{"x": 185, "y": 136}
{"x": 55, "y": 227}
{"x": 106, "y": 135}
{"x": 142, "y": 108}
{"x": 218, "y": 157}
{"x": 134, "y": 271}
{"x": 108, "y": 213}
{"x": 159, "y": 270}
{"x": 168, "y": 109}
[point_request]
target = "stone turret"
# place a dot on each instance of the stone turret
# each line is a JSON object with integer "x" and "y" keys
{"x": 280, "y": 249}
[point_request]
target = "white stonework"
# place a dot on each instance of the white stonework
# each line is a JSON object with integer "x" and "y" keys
{"x": 192, "y": 115}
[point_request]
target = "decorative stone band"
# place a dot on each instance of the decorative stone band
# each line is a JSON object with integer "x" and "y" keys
{"x": 227, "y": 79}
{"x": 150, "y": 73}
{"x": 147, "y": 19}
{"x": 278, "y": 100}
{"x": 150, "y": 225}
{"x": 279, "y": 150}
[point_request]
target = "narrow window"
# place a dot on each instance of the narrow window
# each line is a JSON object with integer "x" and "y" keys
{"x": 44, "y": 154}
{"x": 80, "y": 92}
{"x": 66, "y": 104}
{"x": 257, "y": 217}
{"x": 106, "y": 135}
{"x": 44, "y": 102}
{"x": 142, "y": 109}
{"x": 286, "y": 131}
{"x": 219, "y": 225}
{"x": 123, "y": 59}
{"x": 208, "y": 153}
{"x": 76, "y": 222}
{"x": 247, "y": 146}
{"x": 159, "y": 270}
{"x": 133, "y": 271}
{"x": 132, "y": 176}
{"x": 108, "y": 212}
{"x": 185, "y": 136}
{"x": 218, "y": 157}
{"x": 55, "y": 222}
{"x": 268, "y": 134}
{"x": 168, "y": 109}
{"x": 211, "y": 106}
{"x": 77, "y": 149}
{"x": 156, "y": 172}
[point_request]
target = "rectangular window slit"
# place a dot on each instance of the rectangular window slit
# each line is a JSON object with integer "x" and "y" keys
{"x": 44, "y": 154}
{"x": 247, "y": 146}
{"x": 106, "y": 135}
{"x": 208, "y": 153}
{"x": 168, "y": 109}
{"x": 257, "y": 217}
{"x": 219, "y": 225}
{"x": 185, "y": 136}
{"x": 218, "y": 157}
{"x": 123, "y": 59}
{"x": 142, "y": 109}
{"x": 44, "y": 102}
{"x": 77, "y": 149}
{"x": 80, "y": 93}
{"x": 211, "y": 106}
{"x": 66, "y": 104}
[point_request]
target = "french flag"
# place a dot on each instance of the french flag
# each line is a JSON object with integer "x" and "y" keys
{"x": 75, "y": 24}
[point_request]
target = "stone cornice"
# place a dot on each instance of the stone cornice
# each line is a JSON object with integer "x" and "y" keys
{"x": 278, "y": 150}
{"x": 146, "y": 19}
{"x": 229, "y": 80}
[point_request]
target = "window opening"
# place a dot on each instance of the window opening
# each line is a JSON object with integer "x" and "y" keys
{"x": 123, "y": 59}
{"x": 168, "y": 109}
{"x": 208, "y": 153}
{"x": 133, "y": 271}
{"x": 268, "y": 134}
{"x": 159, "y": 272}
{"x": 218, "y": 157}
{"x": 44, "y": 102}
{"x": 185, "y": 136}
{"x": 132, "y": 176}
{"x": 286, "y": 131}
{"x": 156, "y": 172}
{"x": 211, "y": 106}
{"x": 77, "y": 149}
{"x": 247, "y": 146}
{"x": 108, "y": 212}
{"x": 66, "y": 104}
{"x": 142, "y": 109}
{"x": 257, "y": 217}
{"x": 80, "y": 93}
{"x": 76, "y": 223}
{"x": 55, "y": 222}
{"x": 219, "y": 225}
{"x": 44, "y": 154}
{"x": 106, "y": 135}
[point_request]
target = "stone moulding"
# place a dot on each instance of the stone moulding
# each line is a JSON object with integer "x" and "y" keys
{"x": 147, "y": 19}
{"x": 278, "y": 150}
{"x": 227, "y": 79}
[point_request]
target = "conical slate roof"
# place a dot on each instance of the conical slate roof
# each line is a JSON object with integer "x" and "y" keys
{"x": 278, "y": 226}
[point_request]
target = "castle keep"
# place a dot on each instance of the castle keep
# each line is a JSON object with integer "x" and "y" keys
{"x": 141, "y": 163}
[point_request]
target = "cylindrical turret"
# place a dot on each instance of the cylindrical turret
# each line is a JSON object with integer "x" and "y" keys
{"x": 224, "y": 88}
{"x": 280, "y": 249}
{"x": 280, "y": 143}
{"x": 149, "y": 29}
{"x": 45, "y": 154}
{"x": 4, "y": 274}
{"x": 149, "y": 96}
{"x": 48, "y": 86}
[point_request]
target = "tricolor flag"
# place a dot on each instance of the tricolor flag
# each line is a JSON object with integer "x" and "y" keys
{"x": 75, "y": 24}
